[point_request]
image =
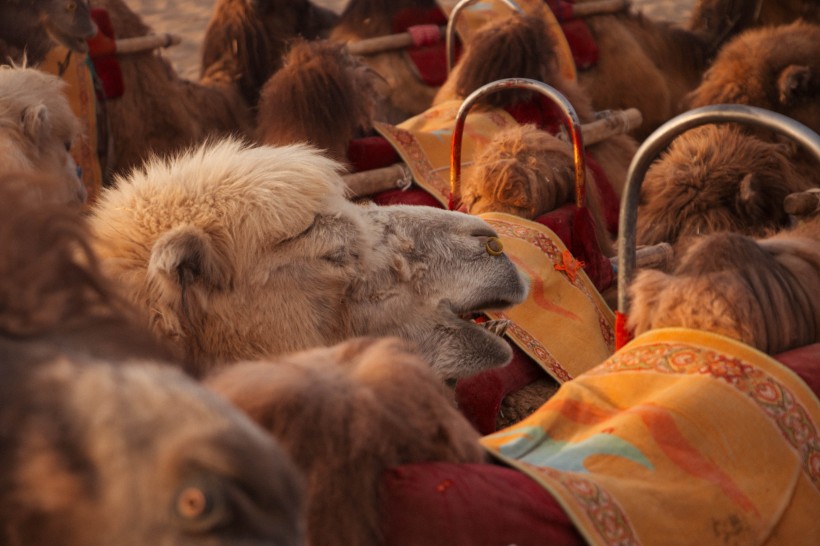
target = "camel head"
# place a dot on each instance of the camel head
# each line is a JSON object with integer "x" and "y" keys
{"x": 95, "y": 457}
{"x": 37, "y": 128}
{"x": 240, "y": 252}
{"x": 68, "y": 22}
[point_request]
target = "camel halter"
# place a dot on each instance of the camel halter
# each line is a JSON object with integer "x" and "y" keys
{"x": 570, "y": 119}
{"x": 652, "y": 147}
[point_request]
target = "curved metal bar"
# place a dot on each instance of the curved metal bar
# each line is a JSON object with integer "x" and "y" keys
{"x": 574, "y": 126}
{"x": 659, "y": 140}
{"x": 451, "y": 26}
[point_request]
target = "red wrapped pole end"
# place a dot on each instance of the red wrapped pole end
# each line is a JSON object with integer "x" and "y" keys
{"x": 622, "y": 333}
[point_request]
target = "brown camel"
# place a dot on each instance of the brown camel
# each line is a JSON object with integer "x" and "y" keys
{"x": 776, "y": 68}
{"x": 346, "y": 414}
{"x": 85, "y": 394}
{"x": 519, "y": 47}
{"x": 720, "y": 20}
{"x": 159, "y": 112}
{"x": 763, "y": 292}
{"x": 404, "y": 94}
{"x": 247, "y": 39}
{"x": 717, "y": 178}
{"x": 322, "y": 95}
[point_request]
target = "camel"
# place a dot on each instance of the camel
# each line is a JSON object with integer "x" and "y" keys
{"x": 159, "y": 112}
{"x": 376, "y": 404}
{"x": 404, "y": 94}
{"x": 717, "y": 178}
{"x": 527, "y": 172}
{"x": 247, "y": 40}
{"x": 34, "y": 26}
{"x": 724, "y": 19}
{"x": 322, "y": 95}
{"x": 85, "y": 394}
{"x": 519, "y": 47}
{"x": 240, "y": 252}
{"x": 764, "y": 292}
{"x": 37, "y": 128}
{"x": 776, "y": 68}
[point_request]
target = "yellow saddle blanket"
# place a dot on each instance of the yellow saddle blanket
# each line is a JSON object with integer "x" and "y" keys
{"x": 682, "y": 437}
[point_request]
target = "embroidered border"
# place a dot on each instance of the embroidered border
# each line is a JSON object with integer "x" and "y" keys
{"x": 773, "y": 398}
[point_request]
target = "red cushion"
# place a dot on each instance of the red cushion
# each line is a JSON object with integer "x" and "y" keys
{"x": 448, "y": 504}
{"x": 805, "y": 362}
{"x": 102, "y": 50}
{"x": 412, "y": 196}
{"x": 430, "y": 60}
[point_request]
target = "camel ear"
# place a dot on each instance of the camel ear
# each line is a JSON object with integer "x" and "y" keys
{"x": 35, "y": 122}
{"x": 749, "y": 188}
{"x": 793, "y": 83}
{"x": 187, "y": 256}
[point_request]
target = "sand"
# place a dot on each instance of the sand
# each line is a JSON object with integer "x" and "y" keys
{"x": 189, "y": 18}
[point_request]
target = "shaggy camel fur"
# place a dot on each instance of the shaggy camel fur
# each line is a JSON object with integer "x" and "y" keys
{"x": 716, "y": 178}
{"x": 243, "y": 253}
{"x": 776, "y": 68}
{"x": 37, "y": 128}
{"x": 764, "y": 292}
{"x": 34, "y": 26}
{"x": 247, "y": 38}
{"x": 160, "y": 112}
{"x": 345, "y": 414}
{"x": 321, "y": 96}
{"x": 403, "y": 93}
{"x": 723, "y": 19}
{"x": 644, "y": 64}
{"x": 89, "y": 453}
{"x": 519, "y": 47}
{"x": 527, "y": 172}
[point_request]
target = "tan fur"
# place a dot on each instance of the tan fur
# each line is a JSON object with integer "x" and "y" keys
{"x": 250, "y": 37}
{"x": 528, "y": 172}
{"x": 345, "y": 415}
{"x": 716, "y": 178}
{"x": 89, "y": 453}
{"x": 518, "y": 47}
{"x": 776, "y": 68}
{"x": 238, "y": 252}
{"x": 764, "y": 292}
{"x": 402, "y": 93}
{"x": 37, "y": 128}
{"x": 321, "y": 96}
{"x": 160, "y": 112}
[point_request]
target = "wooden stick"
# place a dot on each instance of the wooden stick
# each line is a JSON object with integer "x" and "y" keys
{"x": 377, "y": 180}
{"x": 609, "y": 123}
{"x": 650, "y": 256}
{"x": 599, "y": 7}
{"x": 805, "y": 203}
{"x": 148, "y": 42}
{"x": 380, "y": 44}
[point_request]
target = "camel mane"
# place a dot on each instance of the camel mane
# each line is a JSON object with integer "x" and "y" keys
{"x": 322, "y": 95}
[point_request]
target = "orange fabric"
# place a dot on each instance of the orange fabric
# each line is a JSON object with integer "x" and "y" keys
{"x": 681, "y": 437}
{"x": 77, "y": 74}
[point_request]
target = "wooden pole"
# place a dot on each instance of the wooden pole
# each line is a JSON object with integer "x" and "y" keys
{"x": 599, "y": 7}
{"x": 377, "y": 180}
{"x": 148, "y": 42}
{"x": 651, "y": 256}
{"x": 380, "y": 44}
